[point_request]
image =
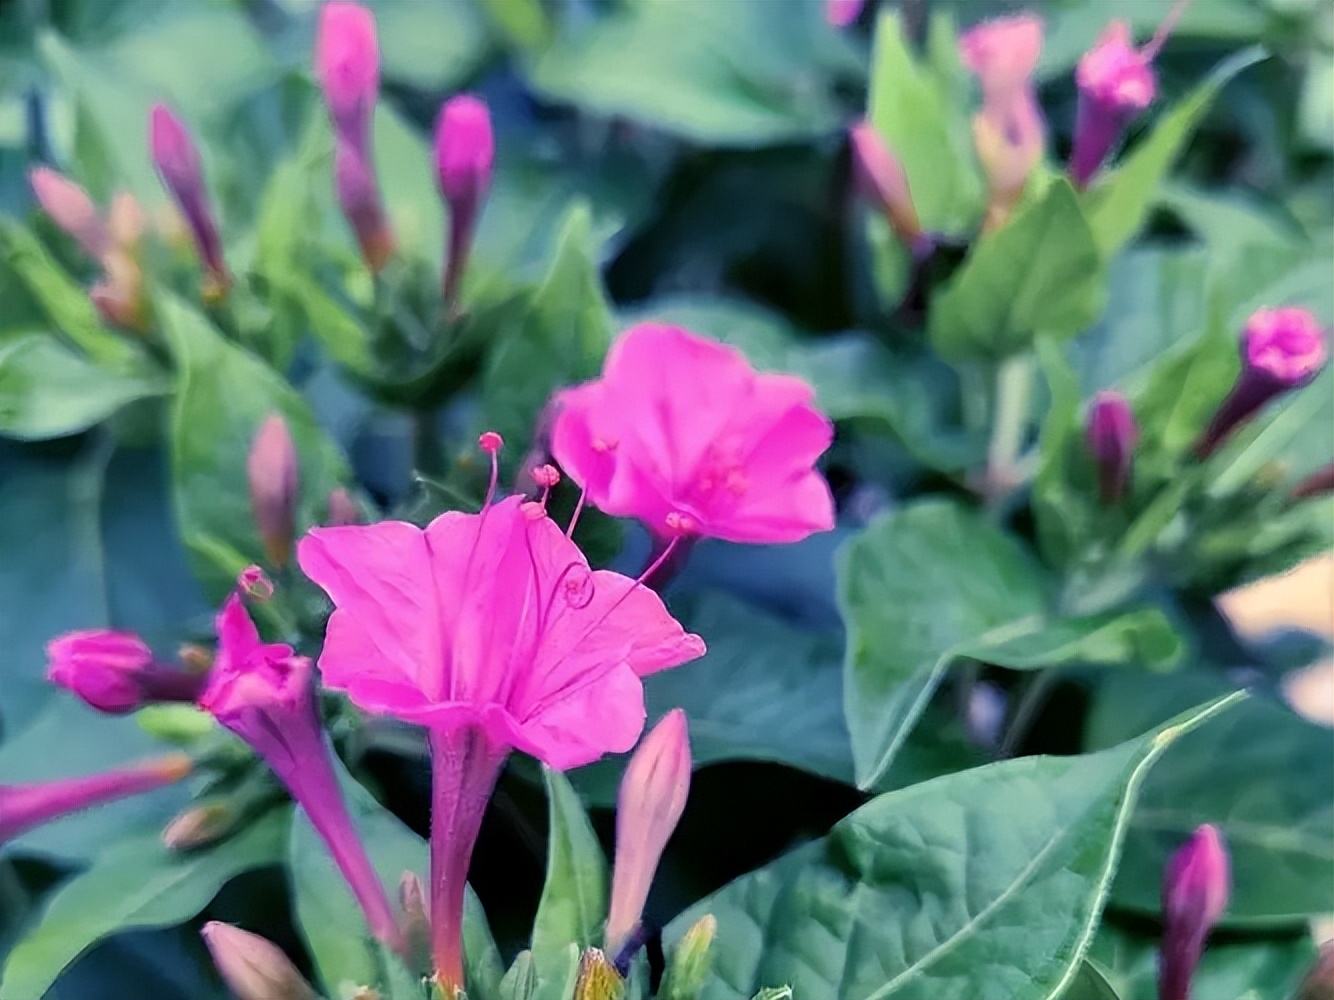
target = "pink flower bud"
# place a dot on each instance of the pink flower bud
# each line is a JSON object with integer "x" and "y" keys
{"x": 359, "y": 197}
{"x": 1196, "y": 885}
{"x": 1003, "y": 53}
{"x": 1112, "y": 434}
{"x": 272, "y": 471}
{"x": 651, "y": 800}
{"x": 347, "y": 64}
{"x": 881, "y": 178}
{"x": 255, "y": 583}
{"x": 464, "y": 155}
{"x": 342, "y": 508}
{"x": 841, "y": 13}
{"x": 252, "y": 967}
{"x": 114, "y": 672}
{"x": 177, "y": 160}
{"x": 71, "y": 209}
{"x": 1281, "y": 350}
{"x": 1116, "y": 82}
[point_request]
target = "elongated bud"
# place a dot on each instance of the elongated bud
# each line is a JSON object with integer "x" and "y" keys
{"x": 1281, "y": 350}
{"x": 71, "y": 209}
{"x": 691, "y": 961}
{"x": 114, "y": 672}
{"x": 464, "y": 156}
{"x": 597, "y": 979}
{"x": 652, "y": 798}
{"x": 1112, "y": 434}
{"x": 881, "y": 178}
{"x": 1318, "y": 983}
{"x": 252, "y": 967}
{"x": 841, "y": 13}
{"x": 347, "y": 65}
{"x": 255, "y": 583}
{"x": 1196, "y": 885}
{"x": 272, "y": 470}
{"x": 198, "y": 826}
{"x": 416, "y": 922}
{"x": 177, "y": 160}
{"x": 23, "y": 807}
{"x": 1116, "y": 82}
{"x": 359, "y": 197}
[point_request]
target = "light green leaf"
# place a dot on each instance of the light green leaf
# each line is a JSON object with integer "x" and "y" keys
{"x": 46, "y": 390}
{"x": 1263, "y": 775}
{"x": 733, "y": 74}
{"x": 223, "y": 395}
{"x": 937, "y": 891}
{"x": 332, "y": 923}
{"x": 573, "y": 907}
{"x": 1089, "y": 984}
{"x": 134, "y": 884}
{"x": 560, "y": 340}
{"x": 433, "y": 45}
{"x": 1040, "y": 273}
{"x": 922, "y": 118}
{"x": 1121, "y": 201}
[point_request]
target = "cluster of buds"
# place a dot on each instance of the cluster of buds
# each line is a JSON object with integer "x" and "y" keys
{"x": 114, "y": 242}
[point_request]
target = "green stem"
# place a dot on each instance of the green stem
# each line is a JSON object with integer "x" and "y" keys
{"x": 1014, "y": 390}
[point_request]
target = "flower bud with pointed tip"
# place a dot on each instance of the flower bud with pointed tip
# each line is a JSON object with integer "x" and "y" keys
{"x": 1111, "y": 434}
{"x": 597, "y": 978}
{"x": 198, "y": 826}
{"x": 177, "y": 160}
{"x": 271, "y": 468}
{"x": 1196, "y": 885}
{"x": 359, "y": 197}
{"x": 881, "y": 178}
{"x": 464, "y": 156}
{"x": 416, "y": 923}
{"x": 650, "y": 803}
{"x": 691, "y": 961}
{"x": 347, "y": 65}
{"x": 70, "y": 208}
{"x": 1281, "y": 350}
{"x": 115, "y": 672}
{"x": 252, "y": 967}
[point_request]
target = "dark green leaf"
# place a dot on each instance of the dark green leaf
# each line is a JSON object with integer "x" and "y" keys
{"x": 573, "y": 907}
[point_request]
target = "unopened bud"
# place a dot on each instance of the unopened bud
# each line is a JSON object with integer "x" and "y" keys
{"x": 198, "y": 826}
{"x": 254, "y": 968}
{"x": 650, "y": 803}
{"x": 272, "y": 471}
{"x": 1116, "y": 82}
{"x": 597, "y": 979}
{"x": 416, "y": 922}
{"x": 255, "y": 583}
{"x": 347, "y": 64}
{"x": 114, "y": 672}
{"x": 1196, "y": 884}
{"x": 691, "y": 961}
{"x": 881, "y": 178}
{"x": 841, "y": 13}
{"x": 71, "y": 209}
{"x": 1112, "y": 434}
{"x": 545, "y": 476}
{"x": 464, "y": 157}
{"x": 343, "y": 510}
{"x": 177, "y": 161}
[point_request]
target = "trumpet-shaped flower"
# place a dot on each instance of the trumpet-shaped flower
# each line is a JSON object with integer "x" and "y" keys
{"x": 263, "y": 693}
{"x": 683, "y": 434}
{"x": 1116, "y": 82}
{"x": 492, "y": 631}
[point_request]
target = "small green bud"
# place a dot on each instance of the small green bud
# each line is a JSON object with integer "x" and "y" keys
{"x": 598, "y": 978}
{"x": 691, "y": 961}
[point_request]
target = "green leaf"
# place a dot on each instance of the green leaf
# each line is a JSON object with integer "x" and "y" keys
{"x": 920, "y": 114}
{"x": 66, "y": 303}
{"x": 1119, "y": 204}
{"x": 433, "y": 45}
{"x": 331, "y": 921}
{"x": 560, "y": 340}
{"x": 1263, "y": 775}
{"x": 46, "y": 390}
{"x": 1231, "y": 969}
{"x": 136, "y": 883}
{"x": 573, "y": 907}
{"x": 916, "y": 589}
{"x": 920, "y": 892}
{"x": 1040, "y": 273}
{"x": 733, "y": 74}
{"x": 223, "y": 395}
{"x": 1089, "y": 984}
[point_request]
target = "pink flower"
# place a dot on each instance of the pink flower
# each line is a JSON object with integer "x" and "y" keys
{"x": 263, "y": 693}
{"x": 1111, "y": 434}
{"x": 491, "y": 630}
{"x": 650, "y": 803}
{"x": 681, "y": 433}
{"x": 114, "y": 672}
{"x": 23, "y": 807}
{"x": 271, "y": 469}
{"x": 1116, "y": 82}
{"x": 177, "y": 160}
{"x": 347, "y": 64}
{"x": 881, "y": 177}
{"x": 841, "y": 13}
{"x": 1003, "y": 53}
{"x": 1196, "y": 886}
{"x": 1281, "y": 350}
{"x": 71, "y": 209}
{"x": 253, "y": 967}
{"x": 464, "y": 155}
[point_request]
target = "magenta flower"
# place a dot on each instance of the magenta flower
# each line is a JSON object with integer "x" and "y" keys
{"x": 23, "y": 807}
{"x": 683, "y": 434}
{"x": 271, "y": 468}
{"x": 492, "y": 631}
{"x": 1116, "y": 82}
{"x": 263, "y": 693}
{"x": 1112, "y": 434}
{"x": 1003, "y": 53}
{"x": 841, "y": 13}
{"x": 1196, "y": 885}
{"x": 650, "y": 803}
{"x": 177, "y": 161}
{"x": 464, "y": 154}
{"x": 881, "y": 177}
{"x": 1281, "y": 350}
{"x": 72, "y": 210}
{"x": 114, "y": 672}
